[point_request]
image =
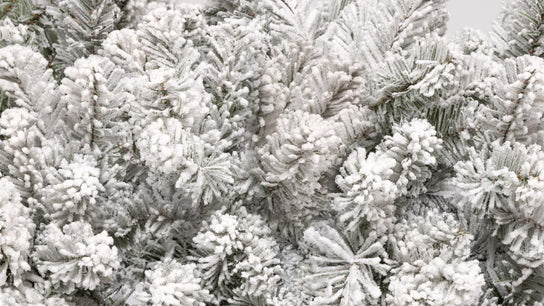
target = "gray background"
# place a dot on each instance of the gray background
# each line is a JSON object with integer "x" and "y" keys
{"x": 479, "y": 14}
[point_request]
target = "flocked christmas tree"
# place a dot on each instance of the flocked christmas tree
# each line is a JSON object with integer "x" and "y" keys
{"x": 271, "y": 152}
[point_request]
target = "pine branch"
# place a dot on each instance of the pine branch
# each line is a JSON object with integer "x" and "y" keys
{"x": 521, "y": 29}
{"x": 517, "y": 103}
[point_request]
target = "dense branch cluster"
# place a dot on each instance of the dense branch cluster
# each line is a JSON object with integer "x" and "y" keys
{"x": 270, "y": 152}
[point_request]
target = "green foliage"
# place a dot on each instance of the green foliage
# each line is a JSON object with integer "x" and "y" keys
{"x": 76, "y": 28}
{"x": 521, "y": 29}
{"x": 19, "y": 11}
{"x": 5, "y": 101}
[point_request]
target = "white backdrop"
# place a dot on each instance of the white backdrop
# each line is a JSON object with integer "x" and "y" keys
{"x": 479, "y": 14}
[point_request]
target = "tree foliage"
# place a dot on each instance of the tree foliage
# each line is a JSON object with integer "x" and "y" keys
{"x": 274, "y": 152}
